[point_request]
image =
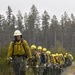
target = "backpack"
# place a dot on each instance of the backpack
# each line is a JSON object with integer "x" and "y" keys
{"x": 35, "y": 59}
{"x": 13, "y": 43}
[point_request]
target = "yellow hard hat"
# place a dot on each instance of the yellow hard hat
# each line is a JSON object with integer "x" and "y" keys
{"x": 48, "y": 52}
{"x": 39, "y": 47}
{"x": 44, "y": 49}
{"x": 64, "y": 56}
{"x": 56, "y": 54}
{"x": 61, "y": 54}
{"x": 66, "y": 53}
{"x": 33, "y": 47}
{"x": 53, "y": 55}
{"x": 17, "y": 32}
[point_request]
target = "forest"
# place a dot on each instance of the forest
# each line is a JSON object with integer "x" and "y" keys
{"x": 39, "y": 30}
{"x": 56, "y": 36}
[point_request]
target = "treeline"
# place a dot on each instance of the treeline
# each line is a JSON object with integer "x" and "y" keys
{"x": 39, "y": 30}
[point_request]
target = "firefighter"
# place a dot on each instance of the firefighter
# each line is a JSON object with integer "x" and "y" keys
{"x": 58, "y": 64}
{"x": 42, "y": 60}
{"x": 35, "y": 60}
{"x": 45, "y": 65}
{"x": 53, "y": 62}
{"x": 71, "y": 57}
{"x": 48, "y": 62}
{"x": 44, "y": 50}
{"x": 61, "y": 58}
{"x": 18, "y": 50}
{"x": 67, "y": 59}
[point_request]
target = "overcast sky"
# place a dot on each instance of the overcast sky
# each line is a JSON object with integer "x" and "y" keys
{"x": 53, "y": 7}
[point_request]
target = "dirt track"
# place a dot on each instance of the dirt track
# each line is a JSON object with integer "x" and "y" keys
{"x": 69, "y": 70}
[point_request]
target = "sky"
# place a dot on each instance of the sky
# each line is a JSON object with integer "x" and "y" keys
{"x": 53, "y": 7}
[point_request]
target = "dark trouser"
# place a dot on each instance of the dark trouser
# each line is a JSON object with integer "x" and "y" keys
{"x": 35, "y": 70}
{"x": 53, "y": 70}
{"x": 49, "y": 71}
{"x": 41, "y": 69}
{"x": 18, "y": 66}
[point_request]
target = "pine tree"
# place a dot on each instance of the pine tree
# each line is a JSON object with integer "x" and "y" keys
{"x": 45, "y": 26}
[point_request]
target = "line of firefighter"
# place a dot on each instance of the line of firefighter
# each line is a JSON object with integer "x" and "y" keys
{"x": 40, "y": 61}
{"x": 45, "y": 63}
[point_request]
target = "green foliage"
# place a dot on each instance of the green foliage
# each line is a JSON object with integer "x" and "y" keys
{"x": 60, "y": 49}
{"x": 5, "y": 69}
{"x": 52, "y": 49}
{"x": 3, "y": 52}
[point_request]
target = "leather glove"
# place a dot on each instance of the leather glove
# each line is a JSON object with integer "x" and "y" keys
{"x": 9, "y": 60}
{"x": 37, "y": 66}
{"x": 44, "y": 65}
{"x": 30, "y": 58}
{"x": 26, "y": 66}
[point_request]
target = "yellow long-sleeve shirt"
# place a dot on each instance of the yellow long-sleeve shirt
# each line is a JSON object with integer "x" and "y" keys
{"x": 18, "y": 49}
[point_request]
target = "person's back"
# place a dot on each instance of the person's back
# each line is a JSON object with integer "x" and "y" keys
{"x": 42, "y": 58}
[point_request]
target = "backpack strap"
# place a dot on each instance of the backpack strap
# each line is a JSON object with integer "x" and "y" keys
{"x": 25, "y": 55}
{"x": 23, "y": 45}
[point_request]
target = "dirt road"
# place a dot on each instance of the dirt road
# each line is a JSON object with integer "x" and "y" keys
{"x": 69, "y": 70}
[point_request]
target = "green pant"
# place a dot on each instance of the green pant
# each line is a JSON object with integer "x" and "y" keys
{"x": 18, "y": 66}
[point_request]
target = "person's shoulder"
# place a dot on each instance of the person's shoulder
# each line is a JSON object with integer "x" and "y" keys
{"x": 24, "y": 41}
{"x": 11, "y": 43}
{"x": 37, "y": 54}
